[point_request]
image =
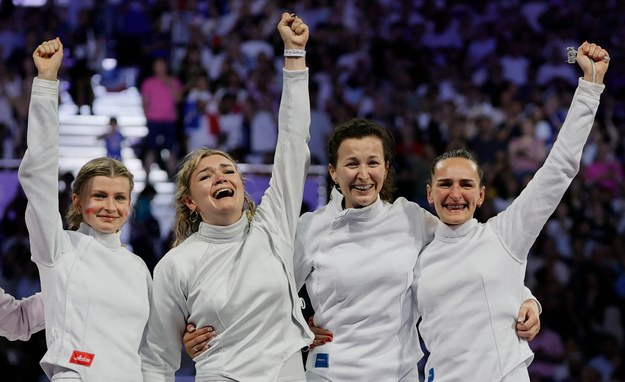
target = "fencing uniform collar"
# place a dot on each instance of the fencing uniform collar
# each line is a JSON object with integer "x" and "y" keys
{"x": 109, "y": 240}
{"x": 224, "y": 234}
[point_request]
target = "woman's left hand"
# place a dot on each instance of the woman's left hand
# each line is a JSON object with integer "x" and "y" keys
{"x": 528, "y": 321}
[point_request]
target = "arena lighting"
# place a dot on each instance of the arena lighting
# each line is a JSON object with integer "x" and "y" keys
{"x": 29, "y": 3}
{"x": 109, "y": 63}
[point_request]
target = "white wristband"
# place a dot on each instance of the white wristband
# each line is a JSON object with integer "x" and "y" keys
{"x": 294, "y": 53}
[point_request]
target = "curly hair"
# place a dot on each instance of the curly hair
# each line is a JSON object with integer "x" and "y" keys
{"x": 184, "y": 225}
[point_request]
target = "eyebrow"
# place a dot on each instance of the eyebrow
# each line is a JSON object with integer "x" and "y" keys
{"x": 99, "y": 191}
{"x": 352, "y": 158}
{"x": 211, "y": 168}
{"x": 466, "y": 180}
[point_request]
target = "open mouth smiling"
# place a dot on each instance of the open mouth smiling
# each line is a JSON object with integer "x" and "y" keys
{"x": 223, "y": 193}
{"x": 362, "y": 187}
{"x": 455, "y": 207}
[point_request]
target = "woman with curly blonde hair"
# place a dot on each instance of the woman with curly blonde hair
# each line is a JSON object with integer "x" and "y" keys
{"x": 232, "y": 264}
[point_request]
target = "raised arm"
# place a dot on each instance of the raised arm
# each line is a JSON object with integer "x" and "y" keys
{"x": 20, "y": 318}
{"x": 281, "y": 204}
{"x": 519, "y": 225}
{"x": 38, "y": 171}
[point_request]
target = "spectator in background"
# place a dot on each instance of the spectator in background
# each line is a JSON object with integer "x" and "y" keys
{"x": 605, "y": 171}
{"x": 84, "y": 45}
{"x": 113, "y": 139}
{"x": 145, "y": 232}
{"x": 263, "y": 134}
{"x": 526, "y": 153}
{"x": 161, "y": 93}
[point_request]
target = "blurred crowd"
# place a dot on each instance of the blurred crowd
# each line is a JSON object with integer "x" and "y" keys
{"x": 490, "y": 76}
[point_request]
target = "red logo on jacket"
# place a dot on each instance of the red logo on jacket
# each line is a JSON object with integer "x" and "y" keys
{"x": 81, "y": 358}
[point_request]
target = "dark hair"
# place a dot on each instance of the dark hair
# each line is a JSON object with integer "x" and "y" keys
{"x": 360, "y": 128}
{"x": 457, "y": 153}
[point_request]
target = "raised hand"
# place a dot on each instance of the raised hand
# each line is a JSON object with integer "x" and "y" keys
{"x": 293, "y": 31}
{"x": 48, "y": 57}
{"x": 593, "y": 60}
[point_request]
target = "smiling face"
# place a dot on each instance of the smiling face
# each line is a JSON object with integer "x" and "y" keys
{"x": 216, "y": 191}
{"x": 104, "y": 202}
{"x": 455, "y": 190}
{"x": 360, "y": 170}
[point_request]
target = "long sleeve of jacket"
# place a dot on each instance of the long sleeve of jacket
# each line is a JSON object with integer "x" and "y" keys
{"x": 519, "y": 225}
{"x": 20, "y": 318}
{"x": 38, "y": 173}
{"x": 292, "y": 157}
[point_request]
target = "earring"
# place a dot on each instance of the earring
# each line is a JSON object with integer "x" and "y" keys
{"x": 192, "y": 217}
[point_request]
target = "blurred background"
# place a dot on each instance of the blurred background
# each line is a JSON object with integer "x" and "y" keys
{"x": 490, "y": 76}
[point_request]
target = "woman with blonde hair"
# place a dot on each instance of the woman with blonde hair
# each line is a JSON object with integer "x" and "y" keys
{"x": 232, "y": 264}
{"x": 95, "y": 291}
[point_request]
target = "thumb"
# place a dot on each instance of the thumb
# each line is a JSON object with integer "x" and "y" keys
{"x": 522, "y": 315}
{"x": 190, "y": 328}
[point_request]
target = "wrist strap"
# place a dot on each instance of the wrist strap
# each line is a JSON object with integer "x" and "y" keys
{"x": 294, "y": 53}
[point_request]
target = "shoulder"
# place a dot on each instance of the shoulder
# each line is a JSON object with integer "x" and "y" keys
{"x": 408, "y": 207}
{"x": 138, "y": 261}
{"x": 179, "y": 255}
{"x": 327, "y": 212}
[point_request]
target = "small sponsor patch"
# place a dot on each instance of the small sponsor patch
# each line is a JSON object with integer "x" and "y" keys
{"x": 322, "y": 360}
{"x": 431, "y": 375}
{"x": 81, "y": 358}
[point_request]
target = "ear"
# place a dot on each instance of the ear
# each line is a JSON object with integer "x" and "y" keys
{"x": 332, "y": 172}
{"x": 480, "y": 201}
{"x": 428, "y": 192}
{"x": 76, "y": 203}
{"x": 189, "y": 203}
{"x": 388, "y": 169}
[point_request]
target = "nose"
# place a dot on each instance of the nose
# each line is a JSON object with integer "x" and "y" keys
{"x": 109, "y": 205}
{"x": 455, "y": 193}
{"x": 363, "y": 173}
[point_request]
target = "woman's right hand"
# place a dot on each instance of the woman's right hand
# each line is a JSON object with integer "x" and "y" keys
{"x": 293, "y": 31}
{"x": 48, "y": 57}
{"x": 322, "y": 336}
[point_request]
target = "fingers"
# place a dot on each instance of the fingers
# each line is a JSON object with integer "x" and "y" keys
{"x": 292, "y": 21}
{"x": 594, "y": 51}
{"x": 322, "y": 336}
{"x": 522, "y": 315}
{"x": 527, "y": 331}
{"x": 49, "y": 48}
{"x": 528, "y": 323}
{"x": 298, "y": 26}
{"x": 196, "y": 340}
{"x": 285, "y": 19}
